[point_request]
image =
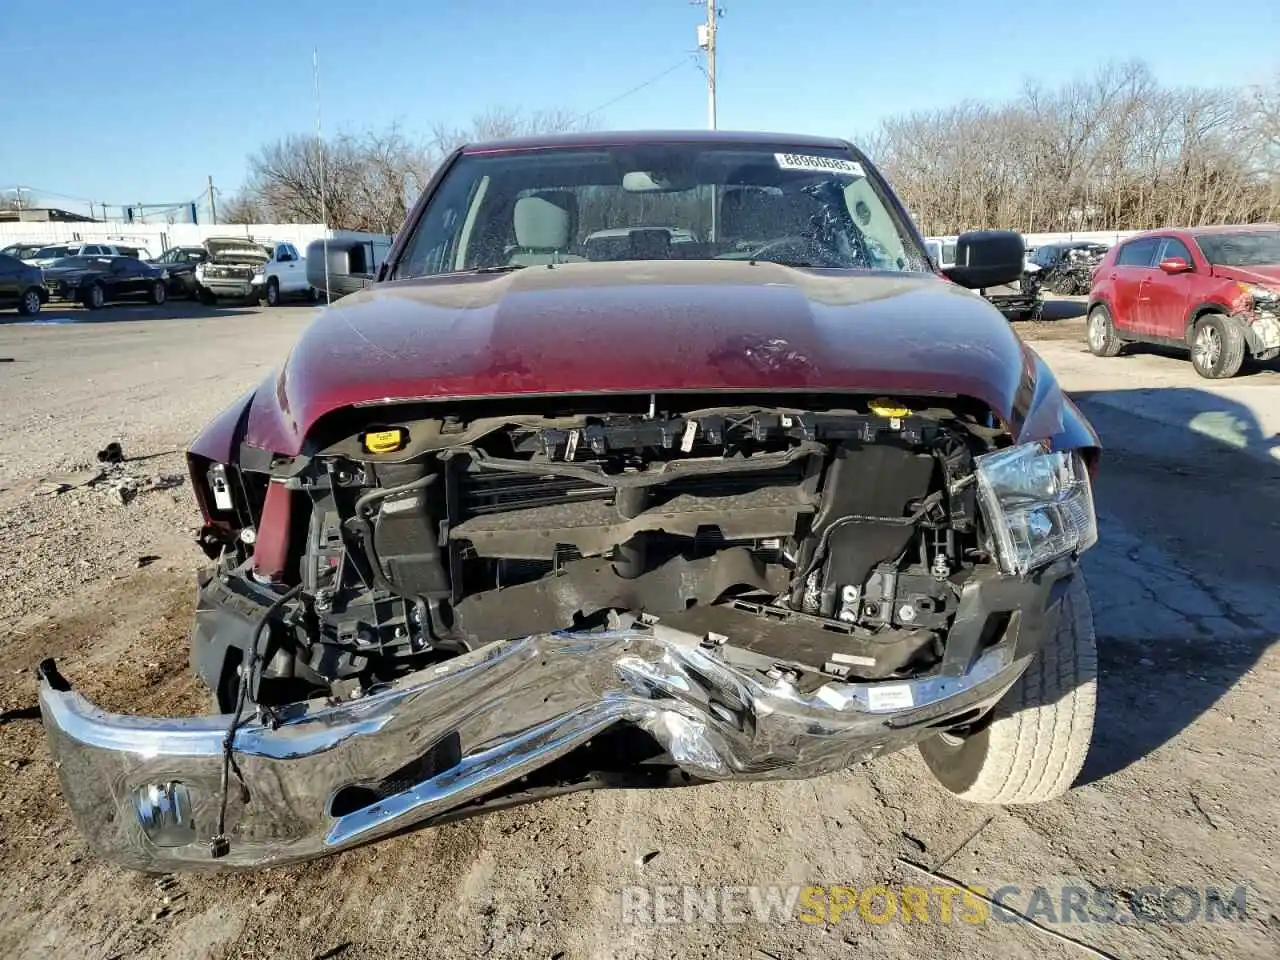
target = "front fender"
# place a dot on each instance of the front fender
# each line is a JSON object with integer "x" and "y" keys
{"x": 1052, "y": 415}
{"x": 218, "y": 442}
{"x": 220, "y": 438}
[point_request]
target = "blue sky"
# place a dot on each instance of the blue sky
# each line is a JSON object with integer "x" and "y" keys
{"x": 140, "y": 102}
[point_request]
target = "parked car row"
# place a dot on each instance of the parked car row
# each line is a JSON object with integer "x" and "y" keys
{"x": 43, "y": 254}
{"x": 95, "y": 274}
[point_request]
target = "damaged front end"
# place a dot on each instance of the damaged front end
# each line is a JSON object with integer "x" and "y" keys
{"x": 433, "y": 615}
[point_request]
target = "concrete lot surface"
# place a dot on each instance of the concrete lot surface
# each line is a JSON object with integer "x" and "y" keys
{"x": 1181, "y": 789}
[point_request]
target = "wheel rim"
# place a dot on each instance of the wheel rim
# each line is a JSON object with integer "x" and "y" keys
{"x": 32, "y": 301}
{"x": 273, "y": 294}
{"x": 1097, "y": 331}
{"x": 1208, "y": 347}
{"x": 96, "y": 296}
{"x": 160, "y": 293}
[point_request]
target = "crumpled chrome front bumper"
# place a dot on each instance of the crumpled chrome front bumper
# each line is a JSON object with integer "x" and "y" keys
{"x": 145, "y": 791}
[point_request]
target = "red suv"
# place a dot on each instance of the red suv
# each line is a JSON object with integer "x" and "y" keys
{"x": 1215, "y": 290}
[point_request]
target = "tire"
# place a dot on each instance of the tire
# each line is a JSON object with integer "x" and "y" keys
{"x": 30, "y": 303}
{"x": 273, "y": 292}
{"x": 1032, "y": 745}
{"x": 95, "y": 298}
{"x": 205, "y": 297}
{"x": 1101, "y": 333}
{"x": 1217, "y": 347}
{"x": 158, "y": 293}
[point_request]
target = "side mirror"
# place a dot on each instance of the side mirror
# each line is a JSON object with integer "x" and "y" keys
{"x": 987, "y": 258}
{"x": 1175, "y": 265}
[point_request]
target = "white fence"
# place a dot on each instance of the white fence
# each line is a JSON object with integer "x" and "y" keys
{"x": 158, "y": 237}
{"x": 1094, "y": 236}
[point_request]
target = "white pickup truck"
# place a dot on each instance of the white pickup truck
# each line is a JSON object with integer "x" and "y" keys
{"x": 283, "y": 276}
{"x": 243, "y": 268}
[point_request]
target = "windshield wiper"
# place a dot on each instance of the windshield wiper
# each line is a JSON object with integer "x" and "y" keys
{"x": 496, "y": 268}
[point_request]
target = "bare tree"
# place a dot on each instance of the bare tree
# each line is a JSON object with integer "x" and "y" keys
{"x": 1110, "y": 152}
{"x": 366, "y": 181}
{"x": 241, "y": 208}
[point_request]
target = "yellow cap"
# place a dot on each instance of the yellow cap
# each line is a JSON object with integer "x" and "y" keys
{"x": 384, "y": 441}
{"x": 885, "y": 407}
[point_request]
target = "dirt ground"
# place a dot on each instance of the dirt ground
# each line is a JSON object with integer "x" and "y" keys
{"x": 1182, "y": 785}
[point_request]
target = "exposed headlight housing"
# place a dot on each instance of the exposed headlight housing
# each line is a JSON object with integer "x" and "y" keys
{"x": 1038, "y": 504}
{"x": 1261, "y": 296}
{"x": 220, "y": 488}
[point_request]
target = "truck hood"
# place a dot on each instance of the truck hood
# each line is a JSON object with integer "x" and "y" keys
{"x": 235, "y": 250}
{"x": 643, "y": 327}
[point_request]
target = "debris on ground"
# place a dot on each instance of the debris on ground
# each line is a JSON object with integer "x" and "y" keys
{"x": 165, "y": 481}
{"x": 124, "y": 489}
{"x": 146, "y": 560}
{"x": 62, "y": 482}
{"x": 111, "y": 453}
{"x": 915, "y": 842}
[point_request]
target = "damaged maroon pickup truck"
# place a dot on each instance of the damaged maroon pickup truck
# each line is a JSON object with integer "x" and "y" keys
{"x": 749, "y": 492}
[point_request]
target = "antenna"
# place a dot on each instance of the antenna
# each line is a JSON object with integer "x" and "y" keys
{"x": 324, "y": 208}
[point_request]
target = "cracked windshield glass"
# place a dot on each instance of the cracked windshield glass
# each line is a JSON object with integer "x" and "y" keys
{"x": 815, "y": 209}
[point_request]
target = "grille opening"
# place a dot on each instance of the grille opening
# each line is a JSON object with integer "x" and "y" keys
{"x": 497, "y": 492}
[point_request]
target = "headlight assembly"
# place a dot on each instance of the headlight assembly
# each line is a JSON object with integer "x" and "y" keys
{"x": 1262, "y": 296}
{"x": 1038, "y": 505}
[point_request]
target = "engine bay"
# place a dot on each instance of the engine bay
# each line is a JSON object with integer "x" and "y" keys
{"x": 834, "y": 537}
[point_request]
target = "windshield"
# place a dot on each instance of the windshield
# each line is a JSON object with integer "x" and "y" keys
{"x": 667, "y": 201}
{"x": 50, "y": 252}
{"x": 1257, "y": 248}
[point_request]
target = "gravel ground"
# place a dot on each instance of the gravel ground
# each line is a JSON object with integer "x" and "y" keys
{"x": 1181, "y": 786}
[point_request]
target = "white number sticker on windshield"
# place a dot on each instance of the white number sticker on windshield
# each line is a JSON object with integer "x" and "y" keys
{"x": 798, "y": 161}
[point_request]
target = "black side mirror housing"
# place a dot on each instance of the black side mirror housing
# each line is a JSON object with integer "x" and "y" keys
{"x": 987, "y": 258}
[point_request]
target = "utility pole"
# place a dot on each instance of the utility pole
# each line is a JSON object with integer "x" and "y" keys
{"x": 213, "y": 211}
{"x": 707, "y": 42}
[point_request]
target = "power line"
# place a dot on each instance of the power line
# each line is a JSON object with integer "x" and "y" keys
{"x": 687, "y": 59}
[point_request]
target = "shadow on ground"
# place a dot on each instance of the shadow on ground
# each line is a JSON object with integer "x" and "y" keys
{"x": 65, "y": 313}
{"x": 1251, "y": 367}
{"x": 1062, "y": 309}
{"x": 1184, "y": 575}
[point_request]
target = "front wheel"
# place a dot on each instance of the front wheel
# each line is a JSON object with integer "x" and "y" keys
{"x": 30, "y": 303}
{"x": 1032, "y": 745}
{"x": 1103, "y": 341}
{"x": 1217, "y": 347}
{"x": 273, "y": 292}
{"x": 158, "y": 293}
{"x": 95, "y": 297}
